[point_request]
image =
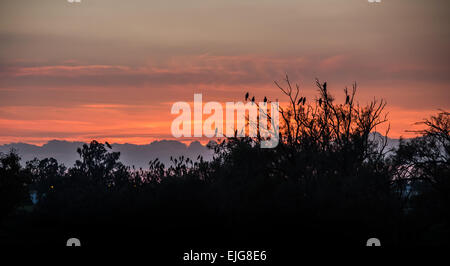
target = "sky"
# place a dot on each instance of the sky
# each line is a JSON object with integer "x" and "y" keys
{"x": 111, "y": 70}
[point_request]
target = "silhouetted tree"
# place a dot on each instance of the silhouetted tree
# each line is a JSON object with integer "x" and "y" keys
{"x": 330, "y": 176}
{"x": 422, "y": 175}
{"x": 13, "y": 184}
{"x": 46, "y": 175}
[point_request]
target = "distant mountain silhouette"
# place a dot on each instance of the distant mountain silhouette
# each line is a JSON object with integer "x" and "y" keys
{"x": 390, "y": 143}
{"x": 130, "y": 154}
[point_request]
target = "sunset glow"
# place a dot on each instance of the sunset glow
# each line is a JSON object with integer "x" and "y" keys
{"x": 108, "y": 70}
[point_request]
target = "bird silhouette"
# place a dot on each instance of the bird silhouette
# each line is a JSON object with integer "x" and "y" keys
{"x": 108, "y": 145}
{"x": 265, "y": 99}
{"x": 325, "y": 85}
{"x": 253, "y": 99}
{"x": 300, "y": 101}
{"x": 347, "y": 99}
{"x": 246, "y": 96}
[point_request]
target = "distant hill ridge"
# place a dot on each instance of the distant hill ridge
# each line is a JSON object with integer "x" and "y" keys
{"x": 130, "y": 154}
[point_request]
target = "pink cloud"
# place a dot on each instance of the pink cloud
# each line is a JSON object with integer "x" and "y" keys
{"x": 332, "y": 62}
{"x": 67, "y": 70}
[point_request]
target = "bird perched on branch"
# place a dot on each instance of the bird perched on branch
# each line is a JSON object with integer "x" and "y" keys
{"x": 108, "y": 145}
{"x": 325, "y": 85}
{"x": 300, "y": 101}
{"x": 246, "y": 96}
{"x": 265, "y": 99}
{"x": 253, "y": 99}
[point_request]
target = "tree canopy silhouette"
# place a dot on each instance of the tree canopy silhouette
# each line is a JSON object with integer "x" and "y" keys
{"x": 330, "y": 176}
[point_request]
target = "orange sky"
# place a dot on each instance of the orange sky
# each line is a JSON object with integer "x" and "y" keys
{"x": 110, "y": 70}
